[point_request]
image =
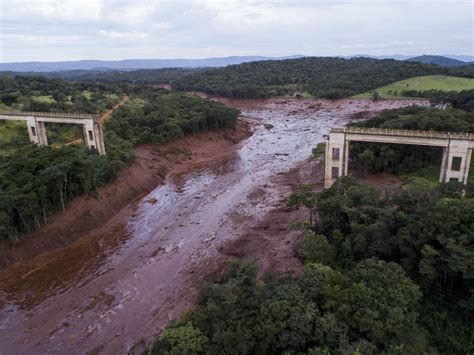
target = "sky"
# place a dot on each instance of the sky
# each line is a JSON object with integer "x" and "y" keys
{"x": 60, "y": 30}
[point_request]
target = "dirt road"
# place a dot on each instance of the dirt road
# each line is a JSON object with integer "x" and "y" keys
{"x": 105, "y": 116}
{"x": 144, "y": 266}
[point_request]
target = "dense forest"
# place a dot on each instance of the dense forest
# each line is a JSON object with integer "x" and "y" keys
{"x": 466, "y": 71}
{"x": 34, "y": 181}
{"x": 319, "y": 77}
{"x": 138, "y": 76}
{"x": 385, "y": 273}
{"x": 163, "y": 115}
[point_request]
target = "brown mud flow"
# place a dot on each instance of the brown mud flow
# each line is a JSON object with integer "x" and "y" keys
{"x": 123, "y": 280}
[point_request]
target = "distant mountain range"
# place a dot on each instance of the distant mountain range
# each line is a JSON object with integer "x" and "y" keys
{"x": 438, "y": 60}
{"x": 441, "y": 60}
{"x": 134, "y": 64}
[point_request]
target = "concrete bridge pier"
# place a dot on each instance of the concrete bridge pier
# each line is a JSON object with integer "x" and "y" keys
{"x": 93, "y": 137}
{"x": 337, "y": 156}
{"x": 36, "y": 131}
{"x": 456, "y": 161}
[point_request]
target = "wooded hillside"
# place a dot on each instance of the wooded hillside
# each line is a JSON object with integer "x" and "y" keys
{"x": 319, "y": 77}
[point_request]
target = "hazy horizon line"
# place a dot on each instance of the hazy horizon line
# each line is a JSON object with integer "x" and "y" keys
{"x": 244, "y": 55}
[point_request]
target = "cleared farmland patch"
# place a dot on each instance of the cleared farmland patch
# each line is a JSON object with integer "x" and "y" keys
{"x": 420, "y": 83}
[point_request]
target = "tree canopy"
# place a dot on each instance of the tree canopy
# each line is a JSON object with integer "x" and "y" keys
{"x": 385, "y": 273}
{"x": 319, "y": 76}
{"x": 163, "y": 115}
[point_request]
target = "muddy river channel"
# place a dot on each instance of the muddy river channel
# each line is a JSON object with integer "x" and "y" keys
{"x": 119, "y": 285}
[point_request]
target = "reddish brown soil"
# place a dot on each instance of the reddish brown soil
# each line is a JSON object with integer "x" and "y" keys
{"x": 376, "y": 180}
{"x": 105, "y": 116}
{"x": 271, "y": 240}
{"x": 149, "y": 169}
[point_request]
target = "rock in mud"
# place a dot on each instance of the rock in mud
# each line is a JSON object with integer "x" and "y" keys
{"x": 152, "y": 200}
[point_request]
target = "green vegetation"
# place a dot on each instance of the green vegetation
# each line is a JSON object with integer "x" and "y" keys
{"x": 47, "y": 99}
{"x": 406, "y": 160}
{"x": 320, "y": 77}
{"x": 62, "y": 133}
{"x": 166, "y": 115}
{"x": 43, "y": 94}
{"x": 12, "y": 134}
{"x": 34, "y": 181}
{"x": 34, "y": 93}
{"x": 457, "y": 99}
{"x": 421, "y": 83}
{"x": 466, "y": 71}
{"x": 140, "y": 76}
{"x": 384, "y": 273}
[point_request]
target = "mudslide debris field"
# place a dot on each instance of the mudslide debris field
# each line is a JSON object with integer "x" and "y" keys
{"x": 146, "y": 265}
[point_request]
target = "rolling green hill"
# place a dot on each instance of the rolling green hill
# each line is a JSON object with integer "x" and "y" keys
{"x": 421, "y": 83}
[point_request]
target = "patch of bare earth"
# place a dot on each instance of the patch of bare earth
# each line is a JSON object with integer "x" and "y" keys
{"x": 270, "y": 241}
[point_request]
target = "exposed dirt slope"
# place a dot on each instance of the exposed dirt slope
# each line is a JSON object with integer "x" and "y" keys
{"x": 149, "y": 169}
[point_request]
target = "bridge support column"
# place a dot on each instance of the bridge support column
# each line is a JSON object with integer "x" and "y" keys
{"x": 444, "y": 164}
{"x": 99, "y": 138}
{"x": 93, "y": 137}
{"x": 336, "y": 160}
{"x": 456, "y": 161}
{"x": 43, "y": 138}
{"x": 36, "y": 131}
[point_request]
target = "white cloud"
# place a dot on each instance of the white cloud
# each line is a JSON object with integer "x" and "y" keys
{"x": 52, "y": 10}
{"x": 380, "y": 46}
{"x": 111, "y": 29}
{"x": 127, "y": 36}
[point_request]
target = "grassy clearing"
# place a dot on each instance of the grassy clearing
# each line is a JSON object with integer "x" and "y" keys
{"x": 431, "y": 173}
{"x": 60, "y": 133}
{"x": 87, "y": 94}
{"x": 12, "y": 130}
{"x": 136, "y": 102}
{"x": 421, "y": 83}
{"x": 44, "y": 98}
{"x": 114, "y": 97}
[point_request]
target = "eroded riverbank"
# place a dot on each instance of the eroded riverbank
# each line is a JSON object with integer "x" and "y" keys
{"x": 149, "y": 169}
{"x": 145, "y": 265}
